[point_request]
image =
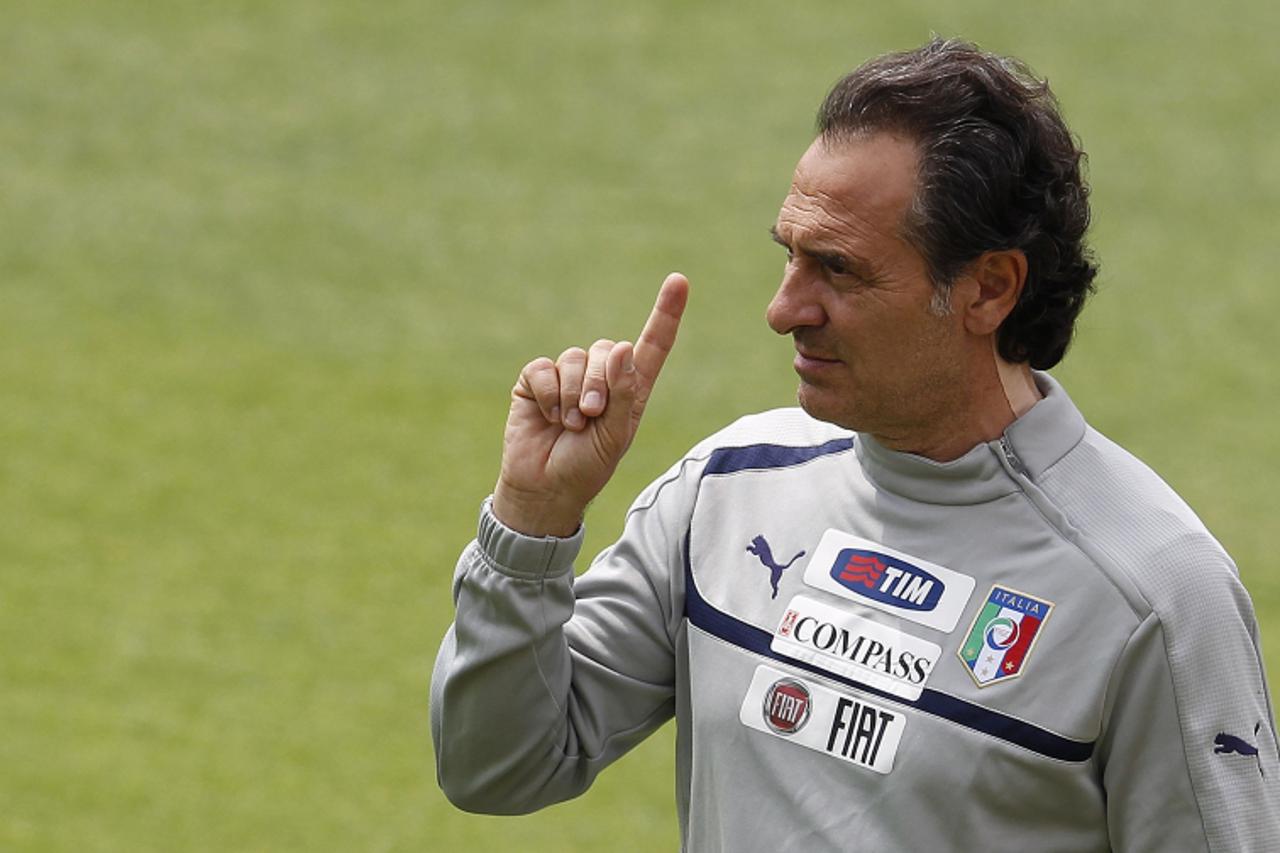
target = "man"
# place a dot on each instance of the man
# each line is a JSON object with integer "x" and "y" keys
{"x": 930, "y": 610}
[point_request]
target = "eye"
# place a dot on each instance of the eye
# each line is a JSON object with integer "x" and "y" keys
{"x": 836, "y": 265}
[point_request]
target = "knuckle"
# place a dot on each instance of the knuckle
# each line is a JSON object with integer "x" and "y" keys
{"x": 573, "y": 354}
{"x": 538, "y": 365}
{"x": 542, "y": 376}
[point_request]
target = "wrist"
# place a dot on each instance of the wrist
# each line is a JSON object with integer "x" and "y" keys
{"x": 534, "y": 517}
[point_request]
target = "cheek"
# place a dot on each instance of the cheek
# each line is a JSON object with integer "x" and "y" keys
{"x": 937, "y": 353}
{"x": 865, "y": 329}
{"x": 895, "y": 339}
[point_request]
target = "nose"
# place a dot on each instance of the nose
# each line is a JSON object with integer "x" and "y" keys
{"x": 795, "y": 304}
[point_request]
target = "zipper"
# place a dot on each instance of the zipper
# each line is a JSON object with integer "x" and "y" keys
{"x": 1011, "y": 459}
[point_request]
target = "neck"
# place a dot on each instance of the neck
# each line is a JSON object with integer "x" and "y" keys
{"x": 997, "y": 394}
{"x": 1018, "y": 385}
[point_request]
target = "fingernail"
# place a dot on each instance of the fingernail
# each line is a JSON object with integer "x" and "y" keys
{"x": 628, "y": 363}
{"x": 574, "y": 420}
{"x": 592, "y": 400}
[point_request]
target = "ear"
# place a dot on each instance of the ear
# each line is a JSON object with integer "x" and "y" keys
{"x": 999, "y": 277}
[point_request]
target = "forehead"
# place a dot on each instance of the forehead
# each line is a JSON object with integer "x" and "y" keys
{"x": 851, "y": 187}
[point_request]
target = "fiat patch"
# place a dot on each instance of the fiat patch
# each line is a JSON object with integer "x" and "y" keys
{"x": 844, "y": 726}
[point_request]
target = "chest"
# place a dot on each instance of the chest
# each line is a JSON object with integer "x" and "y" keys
{"x": 975, "y": 615}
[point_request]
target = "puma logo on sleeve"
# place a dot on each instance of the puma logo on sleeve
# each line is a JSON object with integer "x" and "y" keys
{"x": 1225, "y": 744}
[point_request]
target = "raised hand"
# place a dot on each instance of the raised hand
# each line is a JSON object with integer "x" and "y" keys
{"x": 572, "y": 419}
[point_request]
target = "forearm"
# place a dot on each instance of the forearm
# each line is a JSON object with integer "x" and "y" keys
{"x": 537, "y": 688}
{"x": 497, "y": 721}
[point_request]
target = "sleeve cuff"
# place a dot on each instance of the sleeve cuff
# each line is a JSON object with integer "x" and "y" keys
{"x": 526, "y": 557}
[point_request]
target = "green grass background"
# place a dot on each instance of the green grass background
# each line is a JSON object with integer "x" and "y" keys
{"x": 268, "y": 269}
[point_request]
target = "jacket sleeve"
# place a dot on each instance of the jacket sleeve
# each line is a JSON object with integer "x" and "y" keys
{"x": 1188, "y": 755}
{"x": 542, "y": 680}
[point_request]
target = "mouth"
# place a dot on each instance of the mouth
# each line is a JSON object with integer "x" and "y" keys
{"x": 809, "y": 363}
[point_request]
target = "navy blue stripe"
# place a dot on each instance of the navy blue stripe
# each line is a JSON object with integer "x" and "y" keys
{"x": 726, "y": 460}
{"x": 720, "y": 624}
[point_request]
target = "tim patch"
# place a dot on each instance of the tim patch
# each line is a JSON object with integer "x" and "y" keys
{"x": 1003, "y": 635}
{"x": 889, "y": 580}
{"x": 816, "y": 717}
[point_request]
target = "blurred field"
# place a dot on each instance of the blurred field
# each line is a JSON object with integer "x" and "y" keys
{"x": 267, "y": 270}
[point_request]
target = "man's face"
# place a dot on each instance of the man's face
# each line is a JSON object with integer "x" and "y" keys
{"x": 856, "y": 297}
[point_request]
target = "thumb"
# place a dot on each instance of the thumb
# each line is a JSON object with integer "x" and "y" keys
{"x": 615, "y": 426}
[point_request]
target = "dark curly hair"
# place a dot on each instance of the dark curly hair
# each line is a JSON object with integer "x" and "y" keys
{"x": 998, "y": 170}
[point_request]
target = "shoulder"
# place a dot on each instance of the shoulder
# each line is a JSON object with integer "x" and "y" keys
{"x": 770, "y": 439}
{"x": 1104, "y": 482}
{"x": 1140, "y": 530}
{"x": 765, "y": 439}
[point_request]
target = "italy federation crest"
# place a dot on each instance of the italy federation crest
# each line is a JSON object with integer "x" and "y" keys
{"x": 1002, "y": 635}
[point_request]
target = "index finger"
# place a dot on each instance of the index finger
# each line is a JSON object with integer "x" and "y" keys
{"x": 659, "y": 333}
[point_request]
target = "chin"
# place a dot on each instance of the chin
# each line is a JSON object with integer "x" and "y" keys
{"x": 825, "y": 405}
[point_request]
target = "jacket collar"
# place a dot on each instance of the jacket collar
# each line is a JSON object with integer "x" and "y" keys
{"x": 1029, "y": 447}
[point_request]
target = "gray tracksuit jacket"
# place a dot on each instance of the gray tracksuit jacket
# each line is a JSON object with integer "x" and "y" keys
{"x": 1037, "y": 646}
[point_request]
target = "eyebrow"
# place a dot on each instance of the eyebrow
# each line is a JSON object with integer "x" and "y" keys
{"x": 855, "y": 264}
